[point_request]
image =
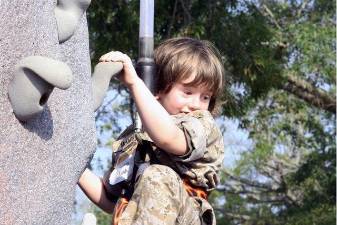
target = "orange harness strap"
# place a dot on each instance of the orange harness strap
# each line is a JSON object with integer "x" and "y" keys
{"x": 119, "y": 209}
{"x": 194, "y": 191}
{"x": 123, "y": 202}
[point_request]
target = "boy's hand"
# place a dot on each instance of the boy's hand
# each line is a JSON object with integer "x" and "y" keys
{"x": 128, "y": 76}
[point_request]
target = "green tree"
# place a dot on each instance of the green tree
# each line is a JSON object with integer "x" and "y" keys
{"x": 289, "y": 175}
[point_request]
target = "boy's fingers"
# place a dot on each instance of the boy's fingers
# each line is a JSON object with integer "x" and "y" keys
{"x": 213, "y": 179}
{"x": 112, "y": 56}
{"x": 115, "y": 56}
{"x": 103, "y": 57}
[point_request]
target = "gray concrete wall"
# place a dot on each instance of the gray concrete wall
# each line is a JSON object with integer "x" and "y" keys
{"x": 42, "y": 159}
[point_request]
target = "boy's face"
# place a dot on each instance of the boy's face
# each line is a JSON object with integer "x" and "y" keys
{"x": 184, "y": 97}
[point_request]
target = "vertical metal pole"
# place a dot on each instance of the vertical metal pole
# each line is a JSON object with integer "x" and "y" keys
{"x": 145, "y": 65}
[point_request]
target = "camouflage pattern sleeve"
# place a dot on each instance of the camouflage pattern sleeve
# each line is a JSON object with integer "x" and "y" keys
{"x": 206, "y": 150}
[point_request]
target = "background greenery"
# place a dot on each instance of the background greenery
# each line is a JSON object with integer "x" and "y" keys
{"x": 281, "y": 85}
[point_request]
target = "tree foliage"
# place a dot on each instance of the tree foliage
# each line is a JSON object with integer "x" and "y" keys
{"x": 280, "y": 63}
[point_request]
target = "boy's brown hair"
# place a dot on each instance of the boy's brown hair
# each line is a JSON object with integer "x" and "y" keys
{"x": 178, "y": 58}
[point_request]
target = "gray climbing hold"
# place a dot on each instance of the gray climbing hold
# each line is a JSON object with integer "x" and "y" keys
{"x": 89, "y": 219}
{"x": 68, "y": 14}
{"x": 34, "y": 79}
{"x": 101, "y": 77}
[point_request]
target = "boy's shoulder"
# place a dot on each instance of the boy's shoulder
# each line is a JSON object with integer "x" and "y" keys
{"x": 199, "y": 121}
{"x": 202, "y": 117}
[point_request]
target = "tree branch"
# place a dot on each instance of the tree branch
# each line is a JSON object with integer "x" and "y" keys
{"x": 302, "y": 7}
{"x": 307, "y": 92}
{"x": 271, "y": 16}
{"x": 248, "y": 182}
{"x": 172, "y": 19}
{"x": 103, "y": 109}
{"x": 187, "y": 14}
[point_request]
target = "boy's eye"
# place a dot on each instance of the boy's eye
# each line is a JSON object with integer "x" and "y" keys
{"x": 206, "y": 97}
{"x": 187, "y": 92}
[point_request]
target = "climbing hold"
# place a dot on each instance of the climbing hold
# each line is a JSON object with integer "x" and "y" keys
{"x": 34, "y": 79}
{"x": 68, "y": 14}
{"x": 101, "y": 77}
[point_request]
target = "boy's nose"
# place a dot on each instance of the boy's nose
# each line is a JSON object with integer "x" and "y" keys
{"x": 194, "y": 104}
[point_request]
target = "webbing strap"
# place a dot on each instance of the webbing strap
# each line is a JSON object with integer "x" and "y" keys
{"x": 119, "y": 209}
{"x": 194, "y": 191}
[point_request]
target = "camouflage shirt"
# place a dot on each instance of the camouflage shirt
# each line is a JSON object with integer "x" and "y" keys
{"x": 201, "y": 164}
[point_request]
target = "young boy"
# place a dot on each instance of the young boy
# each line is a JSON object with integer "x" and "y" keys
{"x": 184, "y": 146}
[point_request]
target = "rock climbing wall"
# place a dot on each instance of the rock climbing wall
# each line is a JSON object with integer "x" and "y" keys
{"x": 47, "y": 130}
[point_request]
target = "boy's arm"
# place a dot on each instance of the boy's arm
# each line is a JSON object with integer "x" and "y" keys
{"x": 156, "y": 120}
{"x": 93, "y": 187}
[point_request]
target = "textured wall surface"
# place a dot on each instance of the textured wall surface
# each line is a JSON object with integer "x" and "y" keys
{"x": 42, "y": 159}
